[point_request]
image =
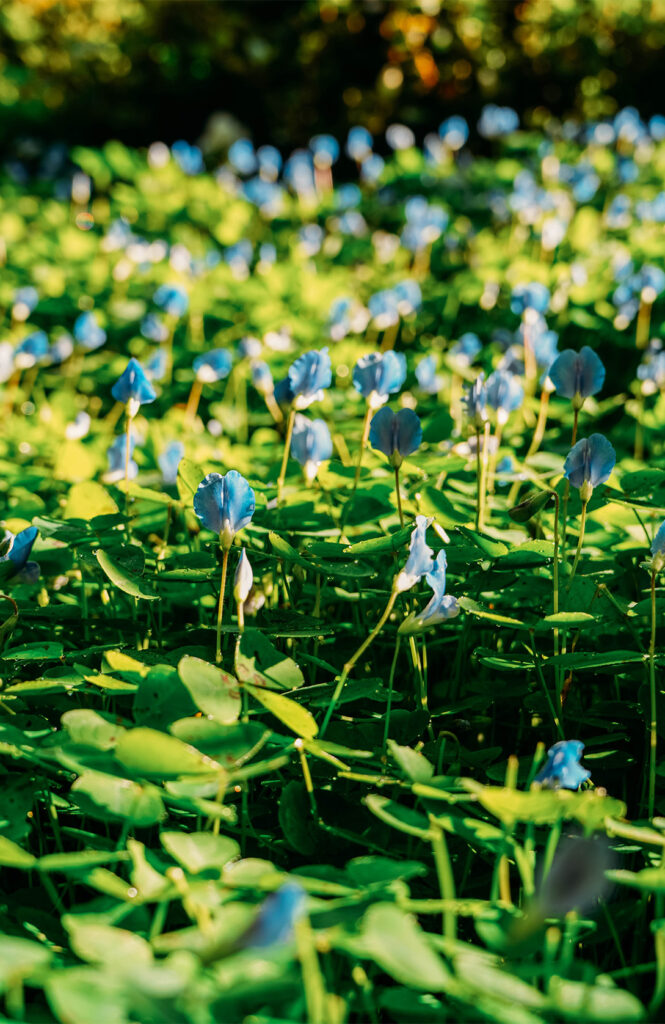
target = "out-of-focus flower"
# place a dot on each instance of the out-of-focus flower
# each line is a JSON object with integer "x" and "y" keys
{"x": 530, "y": 296}
{"x": 173, "y": 299}
{"x": 88, "y": 332}
{"x": 562, "y": 769}
{"x": 116, "y": 456}
{"x": 466, "y": 348}
{"x": 358, "y": 143}
{"x": 31, "y": 350}
{"x": 212, "y": 366}
{"x": 153, "y": 328}
{"x": 79, "y": 427}
{"x": 188, "y": 158}
{"x": 169, "y": 460}
{"x": 429, "y": 381}
{"x": 454, "y": 131}
{"x": 504, "y": 394}
{"x": 275, "y": 922}
{"x": 157, "y": 364}
{"x": 497, "y": 121}
{"x": 378, "y": 375}
{"x": 475, "y": 400}
{"x": 243, "y": 159}
{"x": 311, "y": 444}
{"x": 309, "y": 376}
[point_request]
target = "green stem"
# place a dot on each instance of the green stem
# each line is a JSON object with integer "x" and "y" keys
{"x": 399, "y": 498}
{"x": 287, "y": 448}
{"x": 193, "y": 402}
{"x": 580, "y": 541}
{"x": 352, "y": 661}
{"x": 366, "y": 422}
{"x": 391, "y": 678}
{"x": 220, "y": 607}
{"x": 653, "y": 740}
{"x": 444, "y": 874}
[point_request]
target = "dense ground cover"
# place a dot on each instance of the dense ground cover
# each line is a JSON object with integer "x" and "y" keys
{"x": 336, "y": 805}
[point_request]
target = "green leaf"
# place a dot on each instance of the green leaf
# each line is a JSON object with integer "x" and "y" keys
{"x": 123, "y": 579}
{"x": 433, "y": 502}
{"x": 87, "y": 500}
{"x": 79, "y": 995}
{"x": 604, "y": 1002}
{"x": 46, "y": 651}
{"x": 486, "y": 613}
{"x": 14, "y": 856}
{"x": 214, "y": 691}
{"x": 99, "y": 943}
{"x": 200, "y": 851}
{"x": 21, "y": 959}
{"x": 110, "y": 798}
{"x": 91, "y": 729}
{"x": 404, "y": 819}
{"x": 189, "y": 477}
{"x": 151, "y": 753}
{"x": 395, "y": 942}
{"x": 259, "y": 662}
{"x": 297, "y": 718}
{"x": 415, "y": 766}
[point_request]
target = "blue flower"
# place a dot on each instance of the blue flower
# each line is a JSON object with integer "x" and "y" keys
{"x": 308, "y": 377}
{"x": 172, "y": 299}
{"x": 16, "y": 550}
{"x": 284, "y": 393}
{"x": 419, "y": 561}
{"x": 497, "y": 121}
{"x": 243, "y": 581}
{"x": 384, "y": 308}
{"x": 562, "y": 769}
{"x": 157, "y": 365}
{"x": 395, "y": 434}
{"x": 441, "y": 606}
{"x": 504, "y": 393}
{"x": 577, "y": 375}
{"x": 425, "y": 222}
{"x": 153, "y": 328}
{"x": 31, "y": 350}
{"x": 589, "y": 463}
{"x": 325, "y": 149}
{"x": 242, "y": 157}
{"x": 311, "y": 444}
{"x": 475, "y": 401}
{"x": 454, "y": 131}
{"x": 378, "y": 375}
{"x": 270, "y": 162}
{"x": 262, "y": 377}
{"x": 133, "y": 388}
{"x": 466, "y": 348}
{"x": 358, "y": 143}
{"x": 26, "y": 300}
{"x": 658, "y": 543}
{"x": 277, "y": 917}
{"x": 224, "y": 504}
{"x": 428, "y": 380}
{"x": 409, "y": 296}
{"x": 116, "y": 455}
{"x": 372, "y": 167}
{"x": 61, "y": 349}
{"x": 88, "y": 332}
{"x": 189, "y": 158}
{"x": 212, "y": 366}
{"x": 530, "y": 296}
{"x": 169, "y": 460}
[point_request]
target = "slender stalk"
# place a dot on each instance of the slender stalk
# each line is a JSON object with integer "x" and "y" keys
{"x": 354, "y": 658}
{"x": 494, "y": 458}
{"x": 541, "y": 423}
{"x": 576, "y": 416}
{"x": 241, "y": 616}
{"x": 273, "y": 408}
{"x": 444, "y": 874}
{"x": 399, "y": 498}
{"x": 653, "y": 739}
{"x": 391, "y": 679}
{"x": 193, "y": 402}
{"x": 366, "y": 422}
{"x": 220, "y": 607}
{"x": 580, "y": 541}
{"x": 481, "y": 471}
{"x": 287, "y": 449}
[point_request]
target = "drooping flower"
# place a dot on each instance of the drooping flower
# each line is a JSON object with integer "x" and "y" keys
{"x": 589, "y": 463}
{"x": 224, "y": 504}
{"x": 153, "y": 328}
{"x": 116, "y": 455}
{"x": 395, "y": 434}
{"x": 309, "y": 376}
{"x": 212, "y": 366}
{"x": 378, "y": 375}
{"x": 243, "y": 580}
{"x": 16, "y": 550}
{"x": 133, "y": 388}
{"x": 441, "y": 606}
{"x": 504, "y": 393}
{"x": 88, "y": 331}
{"x": 169, "y": 460}
{"x": 262, "y": 377}
{"x": 562, "y": 769}
{"x": 172, "y": 299}
{"x": 577, "y": 375}
{"x": 276, "y": 919}
{"x": 311, "y": 444}
{"x": 429, "y": 381}
{"x": 475, "y": 401}
{"x": 419, "y": 561}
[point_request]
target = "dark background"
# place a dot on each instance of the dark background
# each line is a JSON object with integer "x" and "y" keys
{"x": 84, "y": 72}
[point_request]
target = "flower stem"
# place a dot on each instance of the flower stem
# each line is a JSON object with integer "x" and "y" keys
{"x": 287, "y": 448}
{"x": 354, "y": 658}
{"x": 444, "y": 874}
{"x": 576, "y": 416}
{"x": 193, "y": 402}
{"x": 399, "y": 498}
{"x": 391, "y": 678}
{"x": 481, "y": 472}
{"x": 363, "y": 442}
{"x": 220, "y": 607}
{"x": 541, "y": 423}
{"x": 580, "y": 541}
{"x": 653, "y": 740}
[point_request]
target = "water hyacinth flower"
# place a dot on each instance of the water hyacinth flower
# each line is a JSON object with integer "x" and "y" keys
{"x": 378, "y": 375}
{"x": 562, "y": 769}
{"x": 188, "y": 158}
{"x": 466, "y": 348}
{"x": 157, "y": 365}
{"x": 441, "y": 606}
{"x": 311, "y": 444}
{"x": 242, "y": 156}
{"x": 14, "y": 554}
{"x": 25, "y": 301}
{"x": 153, "y": 328}
{"x": 395, "y": 434}
{"x": 88, "y": 332}
{"x": 419, "y": 562}
{"x": 275, "y": 922}
{"x": 504, "y": 393}
{"x": 358, "y": 143}
{"x": 32, "y": 350}
{"x": 169, "y": 460}
{"x": 534, "y": 296}
{"x": 497, "y": 121}
{"x": 212, "y": 366}
{"x": 172, "y": 299}
{"x": 224, "y": 504}
{"x": 309, "y": 376}
{"x": 133, "y": 388}
{"x": 577, "y": 375}
{"x": 119, "y": 465}
{"x": 475, "y": 401}
{"x": 589, "y": 463}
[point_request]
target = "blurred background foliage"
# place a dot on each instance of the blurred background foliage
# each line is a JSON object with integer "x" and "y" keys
{"x": 138, "y": 70}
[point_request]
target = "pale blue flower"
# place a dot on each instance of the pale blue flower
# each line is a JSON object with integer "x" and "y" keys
{"x": 497, "y": 121}
{"x": 409, "y": 296}
{"x": 311, "y": 444}
{"x": 88, "y": 332}
{"x": 276, "y": 919}
{"x": 212, "y": 366}
{"x": 419, "y": 561}
{"x": 428, "y": 380}
{"x": 475, "y": 401}
{"x": 530, "y": 296}
{"x": 172, "y": 299}
{"x": 325, "y": 149}
{"x": 116, "y": 455}
{"x": 441, "y": 606}
{"x": 31, "y": 350}
{"x": 358, "y": 143}
{"x": 242, "y": 157}
{"x": 224, "y": 504}
{"x": 189, "y": 158}
{"x": 169, "y": 460}
{"x": 378, "y": 375}
{"x": 133, "y": 387}
{"x": 589, "y": 463}
{"x": 395, "y": 434}
{"x": 309, "y": 376}
{"x": 658, "y": 543}
{"x": 26, "y": 297}
{"x": 466, "y": 348}
{"x": 454, "y": 131}
{"x": 384, "y": 308}
{"x": 562, "y": 769}
{"x": 577, "y": 375}
{"x": 262, "y": 377}
{"x": 153, "y": 328}
{"x": 157, "y": 365}
{"x": 504, "y": 393}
